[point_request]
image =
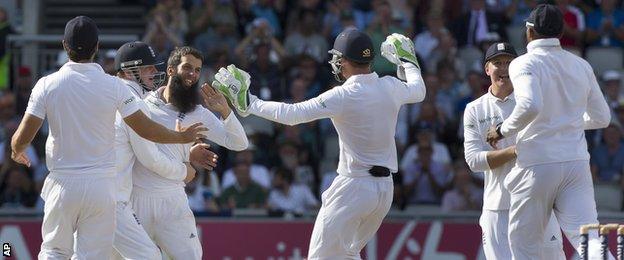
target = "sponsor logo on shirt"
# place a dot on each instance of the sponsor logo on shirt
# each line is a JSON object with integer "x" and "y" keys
{"x": 322, "y": 102}
{"x": 128, "y": 101}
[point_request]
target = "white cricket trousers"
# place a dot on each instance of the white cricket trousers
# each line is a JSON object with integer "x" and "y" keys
{"x": 351, "y": 212}
{"x": 131, "y": 241}
{"x": 565, "y": 189}
{"x": 496, "y": 243}
{"x": 169, "y": 221}
{"x": 84, "y": 205}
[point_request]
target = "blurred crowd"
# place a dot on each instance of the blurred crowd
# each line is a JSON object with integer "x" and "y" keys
{"x": 283, "y": 44}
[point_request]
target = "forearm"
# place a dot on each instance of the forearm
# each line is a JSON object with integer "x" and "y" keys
{"x": 152, "y": 158}
{"x": 151, "y": 130}
{"x": 288, "y": 114}
{"x": 25, "y": 133}
{"x": 236, "y": 138}
{"x": 498, "y": 158}
{"x": 415, "y": 83}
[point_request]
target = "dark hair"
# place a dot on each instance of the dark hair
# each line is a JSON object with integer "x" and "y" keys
{"x": 175, "y": 58}
{"x": 76, "y": 57}
{"x": 285, "y": 174}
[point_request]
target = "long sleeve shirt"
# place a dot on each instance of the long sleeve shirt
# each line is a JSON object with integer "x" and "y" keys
{"x": 130, "y": 147}
{"x": 479, "y": 115}
{"x": 228, "y": 133}
{"x": 557, "y": 98}
{"x": 364, "y": 111}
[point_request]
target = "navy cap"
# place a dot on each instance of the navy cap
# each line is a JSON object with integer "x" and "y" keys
{"x": 354, "y": 45}
{"x": 81, "y": 35}
{"x": 546, "y": 20}
{"x": 500, "y": 48}
{"x": 133, "y": 54}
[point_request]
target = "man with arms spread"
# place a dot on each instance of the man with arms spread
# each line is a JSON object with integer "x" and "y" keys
{"x": 364, "y": 111}
{"x": 160, "y": 203}
{"x": 135, "y": 64}
{"x": 492, "y": 108}
{"x": 80, "y": 102}
{"x": 557, "y": 98}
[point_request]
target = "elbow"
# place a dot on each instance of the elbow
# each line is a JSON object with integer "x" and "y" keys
{"x": 240, "y": 146}
{"x": 533, "y": 110}
{"x": 475, "y": 163}
{"x": 604, "y": 121}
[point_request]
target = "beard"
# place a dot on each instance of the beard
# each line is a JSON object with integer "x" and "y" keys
{"x": 183, "y": 97}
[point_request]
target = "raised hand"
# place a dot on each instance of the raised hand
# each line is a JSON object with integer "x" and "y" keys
{"x": 215, "y": 101}
{"x": 234, "y": 84}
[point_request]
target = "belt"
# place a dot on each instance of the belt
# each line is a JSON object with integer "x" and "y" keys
{"x": 379, "y": 171}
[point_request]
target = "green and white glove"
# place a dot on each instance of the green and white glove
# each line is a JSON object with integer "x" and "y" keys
{"x": 234, "y": 84}
{"x": 399, "y": 49}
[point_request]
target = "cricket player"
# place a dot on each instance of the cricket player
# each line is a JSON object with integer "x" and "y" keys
{"x": 160, "y": 203}
{"x": 492, "y": 108}
{"x": 364, "y": 111}
{"x": 135, "y": 63}
{"x": 80, "y": 102}
{"x": 557, "y": 98}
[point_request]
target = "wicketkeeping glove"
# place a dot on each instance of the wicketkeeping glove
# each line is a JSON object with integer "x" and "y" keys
{"x": 234, "y": 84}
{"x": 399, "y": 49}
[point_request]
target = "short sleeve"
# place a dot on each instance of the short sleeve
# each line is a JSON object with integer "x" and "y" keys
{"x": 37, "y": 101}
{"x": 127, "y": 103}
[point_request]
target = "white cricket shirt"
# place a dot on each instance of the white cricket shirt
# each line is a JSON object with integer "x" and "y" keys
{"x": 479, "y": 116}
{"x": 364, "y": 111}
{"x": 228, "y": 133}
{"x": 129, "y": 147}
{"x": 80, "y": 102}
{"x": 557, "y": 98}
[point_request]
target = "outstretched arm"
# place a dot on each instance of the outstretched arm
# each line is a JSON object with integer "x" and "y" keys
{"x": 325, "y": 105}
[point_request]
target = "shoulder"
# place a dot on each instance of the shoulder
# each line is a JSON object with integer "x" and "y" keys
{"x": 474, "y": 105}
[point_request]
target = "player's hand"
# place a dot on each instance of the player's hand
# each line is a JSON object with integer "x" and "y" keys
{"x": 214, "y": 100}
{"x": 399, "y": 49}
{"x": 234, "y": 84}
{"x": 493, "y": 137}
{"x": 192, "y": 133}
{"x": 190, "y": 173}
{"x": 201, "y": 156}
{"x": 20, "y": 158}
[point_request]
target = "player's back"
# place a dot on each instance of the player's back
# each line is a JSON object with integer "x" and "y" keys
{"x": 557, "y": 132}
{"x": 367, "y": 122}
{"x": 80, "y": 103}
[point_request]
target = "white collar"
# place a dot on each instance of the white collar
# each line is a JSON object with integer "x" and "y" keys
{"x": 543, "y": 43}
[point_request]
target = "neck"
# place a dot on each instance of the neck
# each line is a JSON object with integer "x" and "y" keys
{"x": 167, "y": 94}
{"x": 500, "y": 92}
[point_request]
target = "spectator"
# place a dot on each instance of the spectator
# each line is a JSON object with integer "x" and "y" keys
{"x": 573, "y": 25}
{"x": 8, "y": 111}
{"x": 218, "y": 59}
{"x": 425, "y": 135}
{"x": 339, "y": 15}
{"x": 246, "y": 193}
{"x": 268, "y": 81}
{"x": 474, "y": 25}
{"x": 209, "y": 14}
{"x": 221, "y": 36}
{"x": 382, "y": 26}
{"x": 17, "y": 190}
{"x": 605, "y": 26}
{"x": 310, "y": 70}
{"x": 259, "y": 173}
{"x": 519, "y": 11}
{"x": 23, "y": 87}
{"x": 426, "y": 180}
{"x": 259, "y": 33}
{"x": 202, "y": 193}
{"x": 435, "y": 42}
{"x": 5, "y": 30}
{"x": 448, "y": 92}
{"x": 108, "y": 62}
{"x": 307, "y": 39}
{"x": 265, "y": 9}
{"x": 167, "y": 26}
{"x": 465, "y": 195}
{"x": 608, "y": 157}
{"x": 287, "y": 197}
{"x": 290, "y": 159}
{"x": 611, "y": 85}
